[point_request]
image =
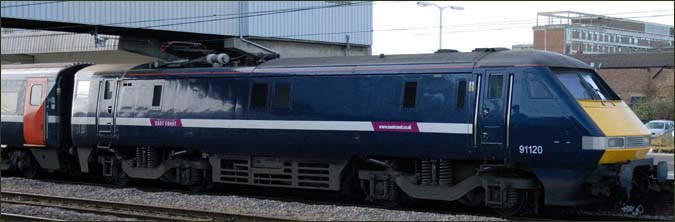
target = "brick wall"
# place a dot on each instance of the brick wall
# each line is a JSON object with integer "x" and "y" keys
{"x": 555, "y": 39}
{"x": 640, "y": 81}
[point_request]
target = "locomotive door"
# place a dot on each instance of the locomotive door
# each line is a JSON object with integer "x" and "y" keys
{"x": 105, "y": 111}
{"x": 492, "y": 111}
{"x": 34, "y": 112}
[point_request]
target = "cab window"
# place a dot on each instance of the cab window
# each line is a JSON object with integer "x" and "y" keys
{"x": 584, "y": 84}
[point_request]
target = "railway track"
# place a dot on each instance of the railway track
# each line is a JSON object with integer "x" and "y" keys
{"x": 337, "y": 200}
{"x": 19, "y": 217}
{"x": 125, "y": 210}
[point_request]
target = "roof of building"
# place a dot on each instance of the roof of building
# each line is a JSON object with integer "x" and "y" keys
{"x": 629, "y": 60}
{"x": 312, "y": 21}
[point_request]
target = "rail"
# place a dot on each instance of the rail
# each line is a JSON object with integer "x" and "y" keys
{"x": 20, "y": 217}
{"x": 127, "y": 210}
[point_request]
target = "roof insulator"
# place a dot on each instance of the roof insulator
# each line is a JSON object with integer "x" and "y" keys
{"x": 381, "y": 55}
{"x": 490, "y": 49}
{"x": 446, "y": 51}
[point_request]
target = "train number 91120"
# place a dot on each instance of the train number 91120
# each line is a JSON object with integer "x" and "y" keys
{"x": 534, "y": 149}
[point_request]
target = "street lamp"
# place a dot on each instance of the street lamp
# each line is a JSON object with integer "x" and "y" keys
{"x": 440, "y": 25}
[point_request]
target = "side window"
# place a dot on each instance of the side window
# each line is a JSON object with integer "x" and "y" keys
{"x": 282, "y": 95}
{"x": 495, "y": 87}
{"x": 461, "y": 94}
{"x": 108, "y": 91}
{"x": 36, "y": 95}
{"x": 537, "y": 89}
{"x": 157, "y": 96}
{"x": 409, "y": 95}
{"x": 9, "y": 102}
{"x": 82, "y": 90}
{"x": 259, "y": 95}
{"x": 10, "y": 95}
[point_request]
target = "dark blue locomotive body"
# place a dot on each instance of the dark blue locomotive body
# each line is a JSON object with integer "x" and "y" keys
{"x": 336, "y": 112}
{"x": 441, "y": 126}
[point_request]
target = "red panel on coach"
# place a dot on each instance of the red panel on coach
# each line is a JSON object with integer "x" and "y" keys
{"x": 34, "y": 111}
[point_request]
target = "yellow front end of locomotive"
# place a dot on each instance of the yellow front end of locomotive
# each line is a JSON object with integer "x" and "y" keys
{"x": 627, "y": 138}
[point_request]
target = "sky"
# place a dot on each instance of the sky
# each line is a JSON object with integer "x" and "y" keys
{"x": 487, "y": 24}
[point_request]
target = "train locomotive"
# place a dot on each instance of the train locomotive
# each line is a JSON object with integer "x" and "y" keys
{"x": 504, "y": 129}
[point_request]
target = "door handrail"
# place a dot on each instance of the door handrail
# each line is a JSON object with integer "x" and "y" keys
{"x": 475, "y": 112}
{"x": 508, "y": 111}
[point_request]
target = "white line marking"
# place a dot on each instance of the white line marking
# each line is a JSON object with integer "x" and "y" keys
{"x": 12, "y": 118}
{"x": 454, "y": 128}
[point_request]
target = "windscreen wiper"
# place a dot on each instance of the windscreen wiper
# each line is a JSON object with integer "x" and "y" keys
{"x": 589, "y": 89}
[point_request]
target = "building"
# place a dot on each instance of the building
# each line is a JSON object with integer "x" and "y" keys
{"x": 637, "y": 77}
{"x": 519, "y": 47}
{"x": 130, "y": 31}
{"x": 570, "y": 32}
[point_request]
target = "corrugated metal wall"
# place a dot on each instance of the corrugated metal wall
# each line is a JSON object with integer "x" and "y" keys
{"x": 30, "y": 42}
{"x": 210, "y": 17}
{"x": 321, "y": 24}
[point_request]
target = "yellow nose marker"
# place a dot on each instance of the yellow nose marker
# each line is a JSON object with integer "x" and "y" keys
{"x": 623, "y": 155}
{"x": 615, "y": 118}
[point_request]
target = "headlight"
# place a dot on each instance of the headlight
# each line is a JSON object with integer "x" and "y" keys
{"x": 615, "y": 142}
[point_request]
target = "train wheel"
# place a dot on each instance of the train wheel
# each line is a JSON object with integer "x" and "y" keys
{"x": 400, "y": 200}
{"x": 118, "y": 176}
{"x": 395, "y": 198}
{"x": 204, "y": 179}
{"x": 27, "y": 165}
{"x": 30, "y": 168}
{"x": 473, "y": 198}
{"x": 518, "y": 203}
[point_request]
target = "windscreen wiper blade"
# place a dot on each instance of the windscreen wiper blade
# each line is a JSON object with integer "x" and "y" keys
{"x": 591, "y": 91}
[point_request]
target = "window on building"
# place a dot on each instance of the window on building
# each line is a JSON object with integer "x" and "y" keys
{"x": 461, "y": 94}
{"x": 636, "y": 100}
{"x": 495, "y": 86}
{"x": 409, "y": 94}
{"x": 282, "y": 95}
{"x": 259, "y": 95}
{"x": 157, "y": 96}
{"x": 36, "y": 95}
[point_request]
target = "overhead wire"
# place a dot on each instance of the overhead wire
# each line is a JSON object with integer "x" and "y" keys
{"x": 280, "y": 11}
{"x": 237, "y": 15}
{"x": 31, "y": 4}
{"x": 513, "y": 22}
{"x": 272, "y": 12}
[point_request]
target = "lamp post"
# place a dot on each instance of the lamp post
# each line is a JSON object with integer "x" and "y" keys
{"x": 440, "y": 25}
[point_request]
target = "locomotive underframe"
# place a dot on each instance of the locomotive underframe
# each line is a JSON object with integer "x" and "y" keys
{"x": 626, "y": 182}
{"x": 493, "y": 185}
